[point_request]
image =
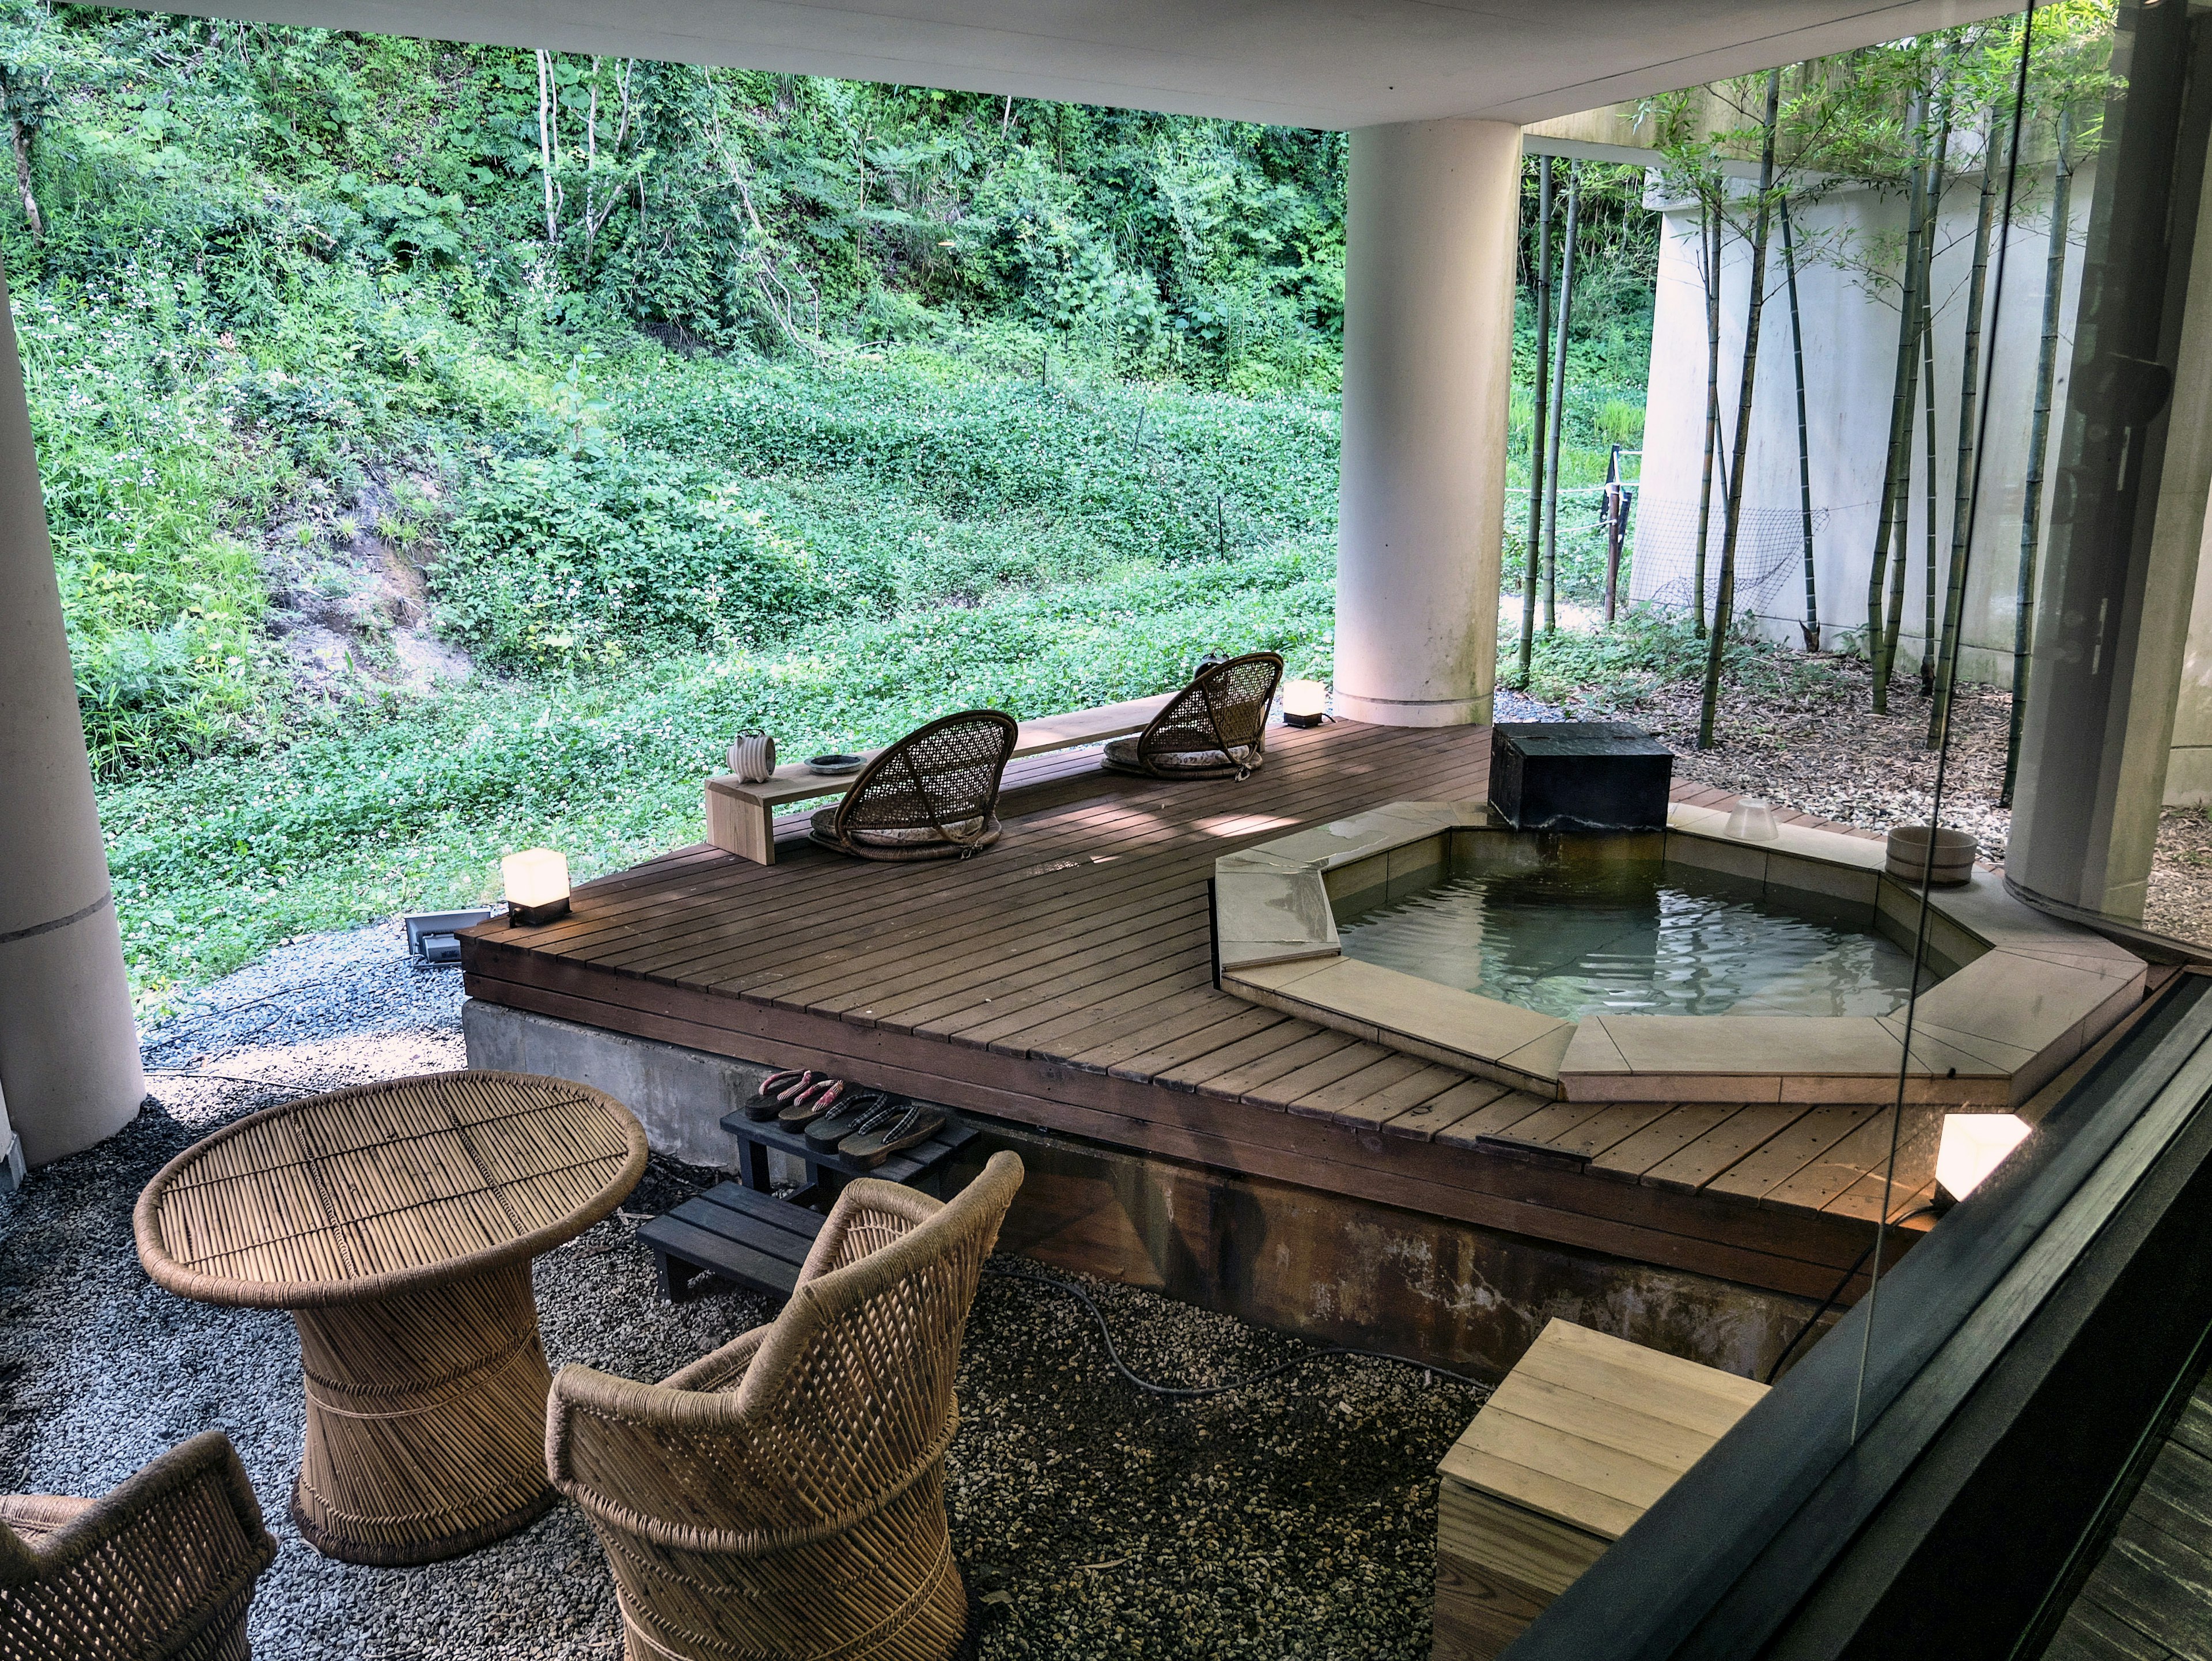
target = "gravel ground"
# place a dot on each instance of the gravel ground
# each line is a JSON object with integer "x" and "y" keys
{"x": 1296, "y": 1519}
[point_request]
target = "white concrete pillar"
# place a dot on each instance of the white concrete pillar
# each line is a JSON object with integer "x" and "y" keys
{"x": 69, "y": 1046}
{"x": 1428, "y": 368}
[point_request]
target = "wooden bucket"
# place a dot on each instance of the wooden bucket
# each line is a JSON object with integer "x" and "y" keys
{"x": 1908, "y": 856}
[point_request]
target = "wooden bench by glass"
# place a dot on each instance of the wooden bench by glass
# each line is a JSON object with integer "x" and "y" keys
{"x": 741, "y": 817}
{"x": 396, "y": 1223}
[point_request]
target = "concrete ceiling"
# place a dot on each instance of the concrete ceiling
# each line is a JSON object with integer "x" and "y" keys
{"x": 1301, "y": 63}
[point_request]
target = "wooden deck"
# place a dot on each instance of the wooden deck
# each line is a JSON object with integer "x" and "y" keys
{"x": 1062, "y": 980}
{"x": 2146, "y": 1598}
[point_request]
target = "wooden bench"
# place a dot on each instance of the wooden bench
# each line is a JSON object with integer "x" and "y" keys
{"x": 1581, "y": 1438}
{"x": 741, "y": 817}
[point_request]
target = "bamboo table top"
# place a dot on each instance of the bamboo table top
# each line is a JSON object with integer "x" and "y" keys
{"x": 385, "y": 1189}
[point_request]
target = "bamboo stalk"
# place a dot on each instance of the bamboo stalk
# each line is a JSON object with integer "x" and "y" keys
{"x": 1812, "y": 624}
{"x": 1709, "y": 260}
{"x": 1898, "y": 458}
{"x": 1541, "y": 407}
{"x": 1560, "y": 405}
{"x": 2039, "y": 440}
{"x": 1955, "y": 597}
{"x": 1724, "y": 599}
{"x": 1931, "y": 203}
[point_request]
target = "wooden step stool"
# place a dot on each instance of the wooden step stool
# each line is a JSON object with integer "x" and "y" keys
{"x": 1581, "y": 1438}
{"x": 747, "y": 1236}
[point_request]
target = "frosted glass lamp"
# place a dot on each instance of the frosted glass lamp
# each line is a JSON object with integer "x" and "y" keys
{"x": 1974, "y": 1145}
{"x": 1305, "y": 702}
{"x": 536, "y": 882}
{"x": 1752, "y": 820}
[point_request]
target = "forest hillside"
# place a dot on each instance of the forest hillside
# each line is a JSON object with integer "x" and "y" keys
{"x": 447, "y": 448}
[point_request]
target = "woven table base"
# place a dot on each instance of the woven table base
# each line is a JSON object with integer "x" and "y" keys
{"x": 426, "y": 1421}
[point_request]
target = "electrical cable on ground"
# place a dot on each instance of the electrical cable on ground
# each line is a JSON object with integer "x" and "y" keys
{"x": 1829, "y": 1302}
{"x": 1194, "y": 1392}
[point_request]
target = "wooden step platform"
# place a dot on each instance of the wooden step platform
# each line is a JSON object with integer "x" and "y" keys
{"x": 921, "y": 1167}
{"x": 747, "y": 1236}
{"x": 749, "y": 1239}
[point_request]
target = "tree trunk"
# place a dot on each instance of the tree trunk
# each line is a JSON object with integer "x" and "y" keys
{"x": 1896, "y": 469}
{"x": 2039, "y": 440}
{"x": 1954, "y": 591}
{"x": 545, "y": 145}
{"x": 1724, "y": 599}
{"x": 1560, "y": 405}
{"x": 22, "y": 137}
{"x": 1709, "y": 262}
{"x": 1812, "y": 624}
{"x": 1541, "y": 409}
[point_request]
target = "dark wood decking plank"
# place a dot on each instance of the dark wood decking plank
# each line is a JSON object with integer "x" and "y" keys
{"x": 1393, "y": 1067}
{"x": 1422, "y": 1122}
{"x": 1681, "y": 1125}
{"x": 1046, "y": 968}
{"x": 1543, "y": 1128}
{"x": 1493, "y": 1118}
{"x": 1201, "y": 1071}
{"x": 1250, "y": 1021}
{"x": 1263, "y": 1070}
{"x": 1735, "y": 1138}
{"x": 1038, "y": 1028}
{"x": 1174, "y": 1018}
{"x": 1323, "y": 1070}
{"x": 1428, "y": 1083}
{"x": 1603, "y": 1132}
{"x": 1783, "y": 1155}
{"x": 1862, "y": 1155}
{"x": 1080, "y": 980}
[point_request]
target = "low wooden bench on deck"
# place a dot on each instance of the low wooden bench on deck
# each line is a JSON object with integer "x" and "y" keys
{"x": 1581, "y": 1438}
{"x": 741, "y": 817}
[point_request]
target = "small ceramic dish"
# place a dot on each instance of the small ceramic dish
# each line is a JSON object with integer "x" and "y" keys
{"x": 837, "y": 763}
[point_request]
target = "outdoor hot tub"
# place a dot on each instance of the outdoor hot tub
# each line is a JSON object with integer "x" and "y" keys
{"x": 1678, "y": 966}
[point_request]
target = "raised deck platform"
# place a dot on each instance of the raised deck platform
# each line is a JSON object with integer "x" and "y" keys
{"x": 1062, "y": 981}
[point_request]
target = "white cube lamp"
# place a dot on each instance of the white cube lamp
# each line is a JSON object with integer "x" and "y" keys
{"x": 1973, "y": 1145}
{"x": 536, "y": 882}
{"x": 1305, "y": 702}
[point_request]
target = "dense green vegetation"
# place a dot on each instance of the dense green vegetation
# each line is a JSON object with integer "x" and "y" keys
{"x": 808, "y": 404}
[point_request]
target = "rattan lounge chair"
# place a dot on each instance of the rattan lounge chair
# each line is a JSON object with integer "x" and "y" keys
{"x": 1216, "y": 729}
{"x": 785, "y": 1496}
{"x": 164, "y": 1566}
{"x": 933, "y": 795}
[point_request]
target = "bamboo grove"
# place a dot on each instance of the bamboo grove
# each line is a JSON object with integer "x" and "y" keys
{"x": 1917, "y": 121}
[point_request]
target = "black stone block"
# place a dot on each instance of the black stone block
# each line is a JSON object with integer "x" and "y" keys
{"x": 1579, "y": 775}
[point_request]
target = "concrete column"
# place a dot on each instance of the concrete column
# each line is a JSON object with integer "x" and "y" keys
{"x": 1428, "y": 368}
{"x": 69, "y": 1046}
{"x": 2128, "y": 512}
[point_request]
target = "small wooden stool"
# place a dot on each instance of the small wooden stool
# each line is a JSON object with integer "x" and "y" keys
{"x": 1581, "y": 1438}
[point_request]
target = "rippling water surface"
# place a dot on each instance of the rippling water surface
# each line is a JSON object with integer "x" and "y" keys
{"x": 1632, "y": 938}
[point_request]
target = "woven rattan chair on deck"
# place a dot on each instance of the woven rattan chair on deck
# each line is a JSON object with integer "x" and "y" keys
{"x": 784, "y": 1497}
{"x": 164, "y": 1566}
{"x": 1216, "y": 729}
{"x": 933, "y": 795}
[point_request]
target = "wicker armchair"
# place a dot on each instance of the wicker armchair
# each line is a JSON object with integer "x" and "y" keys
{"x": 785, "y": 1496}
{"x": 1216, "y": 727}
{"x": 933, "y": 795}
{"x": 163, "y": 1567}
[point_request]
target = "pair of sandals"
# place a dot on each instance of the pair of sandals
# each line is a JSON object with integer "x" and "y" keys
{"x": 866, "y": 1127}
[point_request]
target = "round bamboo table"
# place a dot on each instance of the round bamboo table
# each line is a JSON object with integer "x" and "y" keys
{"x": 396, "y": 1223}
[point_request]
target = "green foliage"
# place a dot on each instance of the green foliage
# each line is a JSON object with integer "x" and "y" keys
{"x": 1593, "y": 670}
{"x": 409, "y": 804}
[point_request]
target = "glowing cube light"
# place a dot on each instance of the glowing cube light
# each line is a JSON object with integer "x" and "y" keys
{"x": 1974, "y": 1145}
{"x": 536, "y": 882}
{"x": 1304, "y": 703}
